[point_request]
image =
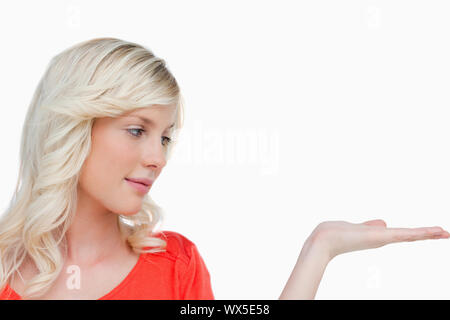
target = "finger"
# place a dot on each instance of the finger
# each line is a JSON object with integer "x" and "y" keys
{"x": 414, "y": 234}
{"x": 442, "y": 235}
{"x": 376, "y": 223}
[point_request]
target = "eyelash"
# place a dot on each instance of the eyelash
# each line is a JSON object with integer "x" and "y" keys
{"x": 129, "y": 130}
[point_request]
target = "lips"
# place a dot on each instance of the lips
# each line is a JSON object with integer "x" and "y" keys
{"x": 138, "y": 186}
{"x": 144, "y": 181}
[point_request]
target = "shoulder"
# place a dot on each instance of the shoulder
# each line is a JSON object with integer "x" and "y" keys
{"x": 178, "y": 247}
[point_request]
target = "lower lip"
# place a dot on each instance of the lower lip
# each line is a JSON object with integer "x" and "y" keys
{"x": 138, "y": 186}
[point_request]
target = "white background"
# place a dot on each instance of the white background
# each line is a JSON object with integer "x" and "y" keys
{"x": 349, "y": 104}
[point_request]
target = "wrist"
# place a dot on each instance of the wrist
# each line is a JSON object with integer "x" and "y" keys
{"x": 316, "y": 246}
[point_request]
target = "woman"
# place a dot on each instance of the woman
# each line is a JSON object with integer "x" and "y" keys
{"x": 81, "y": 225}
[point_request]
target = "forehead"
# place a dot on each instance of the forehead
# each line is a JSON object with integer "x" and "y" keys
{"x": 153, "y": 110}
{"x": 154, "y": 115}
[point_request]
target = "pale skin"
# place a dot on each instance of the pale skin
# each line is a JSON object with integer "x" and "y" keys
{"x": 128, "y": 147}
{"x": 332, "y": 238}
{"x": 119, "y": 150}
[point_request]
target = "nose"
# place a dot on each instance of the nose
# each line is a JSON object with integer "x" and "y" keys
{"x": 154, "y": 154}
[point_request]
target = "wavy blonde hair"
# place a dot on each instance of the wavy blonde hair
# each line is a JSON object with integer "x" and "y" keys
{"x": 103, "y": 77}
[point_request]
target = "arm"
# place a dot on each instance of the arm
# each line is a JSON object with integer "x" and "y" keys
{"x": 332, "y": 238}
{"x": 307, "y": 273}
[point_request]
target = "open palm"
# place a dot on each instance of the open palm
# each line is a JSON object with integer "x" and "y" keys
{"x": 341, "y": 236}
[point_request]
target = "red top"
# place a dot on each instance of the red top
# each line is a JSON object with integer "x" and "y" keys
{"x": 179, "y": 273}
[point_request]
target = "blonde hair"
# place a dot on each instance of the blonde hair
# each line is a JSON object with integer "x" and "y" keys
{"x": 103, "y": 77}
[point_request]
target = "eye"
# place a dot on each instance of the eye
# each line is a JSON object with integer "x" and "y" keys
{"x": 164, "y": 138}
{"x": 137, "y": 129}
{"x": 168, "y": 141}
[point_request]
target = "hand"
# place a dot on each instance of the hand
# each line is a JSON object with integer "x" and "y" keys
{"x": 338, "y": 237}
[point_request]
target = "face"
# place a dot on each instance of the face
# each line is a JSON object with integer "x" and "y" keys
{"x": 125, "y": 148}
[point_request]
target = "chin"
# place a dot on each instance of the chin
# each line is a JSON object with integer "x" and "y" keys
{"x": 129, "y": 211}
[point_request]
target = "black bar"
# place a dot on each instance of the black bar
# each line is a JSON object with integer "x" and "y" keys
{"x": 229, "y": 309}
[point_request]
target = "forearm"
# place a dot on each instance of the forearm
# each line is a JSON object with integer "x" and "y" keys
{"x": 307, "y": 274}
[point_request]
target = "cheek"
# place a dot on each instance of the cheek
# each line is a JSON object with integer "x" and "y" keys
{"x": 112, "y": 158}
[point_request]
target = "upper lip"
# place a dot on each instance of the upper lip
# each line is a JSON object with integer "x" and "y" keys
{"x": 145, "y": 181}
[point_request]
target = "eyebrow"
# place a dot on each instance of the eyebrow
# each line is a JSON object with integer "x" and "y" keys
{"x": 149, "y": 121}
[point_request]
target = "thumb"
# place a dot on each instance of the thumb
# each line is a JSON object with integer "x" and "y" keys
{"x": 377, "y": 222}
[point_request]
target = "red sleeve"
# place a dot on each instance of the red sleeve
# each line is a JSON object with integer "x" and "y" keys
{"x": 195, "y": 280}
